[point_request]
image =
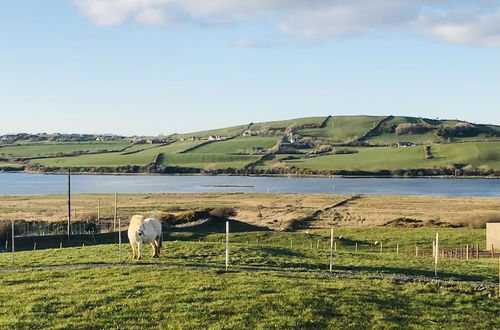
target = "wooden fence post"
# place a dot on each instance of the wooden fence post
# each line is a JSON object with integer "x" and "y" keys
{"x": 13, "y": 245}
{"x": 467, "y": 252}
{"x": 120, "y": 238}
{"x": 356, "y": 247}
{"x": 436, "y": 254}
{"x": 397, "y": 248}
{"x": 331, "y": 249}
{"x": 227, "y": 245}
{"x": 116, "y": 211}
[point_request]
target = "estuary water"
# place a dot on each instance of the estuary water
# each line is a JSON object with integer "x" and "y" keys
{"x": 40, "y": 184}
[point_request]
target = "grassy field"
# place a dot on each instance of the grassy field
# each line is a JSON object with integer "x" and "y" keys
{"x": 343, "y": 128}
{"x": 116, "y": 159}
{"x": 478, "y": 154}
{"x": 276, "y": 279}
{"x": 208, "y": 160}
{"x": 192, "y": 299}
{"x": 53, "y": 149}
{"x": 477, "y": 149}
{"x": 237, "y": 145}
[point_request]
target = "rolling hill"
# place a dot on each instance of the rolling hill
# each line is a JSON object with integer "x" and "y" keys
{"x": 330, "y": 145}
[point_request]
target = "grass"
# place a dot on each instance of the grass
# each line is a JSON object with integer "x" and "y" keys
{"x": 208, "y": 161}
{"x": 115, "y": 159}
{"x": 481, "y": 151}
{"x": 194, "y": 299}
{"x": 478, "y": 154}
{"x": 237, "y": 145}
{"x": 294, "y": 251}
{"x": 343, "y": 128}
{"x": 385, "y": 138}
{"x": 53, "y": 149}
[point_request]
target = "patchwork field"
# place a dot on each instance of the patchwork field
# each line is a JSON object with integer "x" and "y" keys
{"x": 358, "y": 145}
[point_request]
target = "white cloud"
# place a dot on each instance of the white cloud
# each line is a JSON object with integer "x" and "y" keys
{"x": 458, "y": 21}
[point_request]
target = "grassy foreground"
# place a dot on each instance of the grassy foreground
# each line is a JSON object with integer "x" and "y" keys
{"x": 276, "y": 280}
{"x": 192, "y": 299}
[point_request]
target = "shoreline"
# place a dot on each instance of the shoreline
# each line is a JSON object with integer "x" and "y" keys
{"x": 146, "y": 174}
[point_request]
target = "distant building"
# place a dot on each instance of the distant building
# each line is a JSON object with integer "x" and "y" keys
{"x": 404, "y": 144}
{"x": 214, "y": 138}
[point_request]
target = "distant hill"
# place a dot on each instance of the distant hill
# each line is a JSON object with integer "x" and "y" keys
{"x": 330, "y": 145}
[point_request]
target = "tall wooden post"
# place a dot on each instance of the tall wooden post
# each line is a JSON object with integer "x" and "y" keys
{"x": 331, "y": 249}
{"x": 98, "y": 209}
{"x": 120, "y": 238}
{"x": 116, "y": 210}
{"x": 436, "y": 254}
{"x": 69, "y": 204}
{"x": 227, "y": 245}
{"x": 13, "y": 247}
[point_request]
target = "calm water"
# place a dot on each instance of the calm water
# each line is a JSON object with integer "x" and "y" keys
{"x": 34, "y": 184}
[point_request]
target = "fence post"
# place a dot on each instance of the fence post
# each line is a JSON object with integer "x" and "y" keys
{"x": 467, "y": 252}
{"x": 227, "y": 245}
{"x": 416, "y": 250}
{"x": 120, "y": 238}
{"x": 356, "y": 247}
{"x": 436, "y": 254}
{"x": 331, "y": 249}
{"x": 397, "y": 248}
{"x": 69, "y": 204}
{"x": 98, "y": 209}
{"x": 114, "y": 219}
{"x": 13, "y": 245}
{"x": 34, "y": 246}
{"x": 291, "y": 243}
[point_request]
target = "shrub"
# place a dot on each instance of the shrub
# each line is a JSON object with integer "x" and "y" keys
{"x": 409, "y": 128}
{"x": 223, "y": 213}
{"x": 477, "y": 221}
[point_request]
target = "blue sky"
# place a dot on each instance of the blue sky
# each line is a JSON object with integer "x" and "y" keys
{"x": 164, "y": 66}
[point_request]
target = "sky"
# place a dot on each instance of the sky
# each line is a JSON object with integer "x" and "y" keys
{"x": 151, "y": 67}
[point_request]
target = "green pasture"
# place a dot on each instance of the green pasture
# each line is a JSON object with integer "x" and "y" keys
{"x": 173, "y": 298}
{"x": 281, "y": 125}
{"x": 208, "y": 161}
{"x": 53, "y": 149}
{"x": 385, "y": 138}
{"x": 275, "y": 280}
{"x": 228, "y": 131}
{"x": 252, "y": 248}
{"x": 478, "y": 154}
{"x": 117, "y": 159}
{"x": 343, "y": 128}
{"x": 237, "y": 145}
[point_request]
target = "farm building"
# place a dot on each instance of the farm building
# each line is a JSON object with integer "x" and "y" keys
{"x": 493, "y": 236}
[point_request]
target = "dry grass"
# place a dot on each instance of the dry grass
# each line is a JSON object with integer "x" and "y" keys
{"x": 275, "y": 211}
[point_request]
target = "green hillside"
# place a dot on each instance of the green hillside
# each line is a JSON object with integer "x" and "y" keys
{"x": 312, "y": 145}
